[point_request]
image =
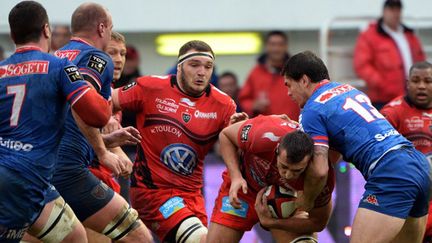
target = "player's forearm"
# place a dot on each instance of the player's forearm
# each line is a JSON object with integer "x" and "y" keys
{"x": 316, "y": 177}
{"x": 119, "y": 152}
{"x": 313, "y": 185}
{"x": 92, "y": 135}
{"x": 230, "y": 156}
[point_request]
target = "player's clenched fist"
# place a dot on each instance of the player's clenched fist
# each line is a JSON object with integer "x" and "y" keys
{"x": 112, "y": 162}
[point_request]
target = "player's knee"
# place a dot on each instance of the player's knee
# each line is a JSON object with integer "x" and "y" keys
{"x": 304, "y": 239}
{"x": 191, "y": 230}
{"x": 123, "y": 224}
{"x": 78, "y": 235}
{"x": 62, "y": 224}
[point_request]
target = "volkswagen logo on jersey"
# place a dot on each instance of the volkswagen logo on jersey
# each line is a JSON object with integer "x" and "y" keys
{"x": 180, "y": 158}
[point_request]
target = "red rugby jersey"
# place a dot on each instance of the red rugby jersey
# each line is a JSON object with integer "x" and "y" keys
{"x": 413, "y": 123}
{"x": 178, "y": 131}
{"x": 258, "y": 138}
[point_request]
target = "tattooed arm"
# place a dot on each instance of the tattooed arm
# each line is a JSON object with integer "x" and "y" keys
{"x": 316, "y": 178}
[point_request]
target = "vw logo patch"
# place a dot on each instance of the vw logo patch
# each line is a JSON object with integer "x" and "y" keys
{"x": 180, "y": 158}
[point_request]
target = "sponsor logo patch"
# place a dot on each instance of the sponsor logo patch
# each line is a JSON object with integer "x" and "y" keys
{"x": 69, "y": 54}
{"x": 245, "y": 133}
{"x": 188, "y": 102}
{"x": 331, "y": 93}
{"x": 15, "y": 145}
{"x": 73, "y": 73}
{"x": 271, "y": 136}
{"x": 414, "y": 123}
{"x": 371, "y": 199}
{"x": 12, "y": 234}
{"x": 166, "y": 105}
{"x": 229, "y": 209}
{"x": 380, "y": 137}
{"x": 100, "y": 191}
{"x": 180, "y": 158}
{"x": 129, "y": 85}
{"x": 166, "y": 129}
{"x": 205, "y": 115}
{"x": 97, "y": 63}
{"x": 171, "y": 206}
{"x": 24, "y": 68}
{"x": 186, "y": 117}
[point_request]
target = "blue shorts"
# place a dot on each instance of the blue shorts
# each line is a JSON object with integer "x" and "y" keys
{"x": 51, "y": 194}
{"x": 83, "y": 191}
{"x": 399, "y": 185}
{"x": 21, "y": 202}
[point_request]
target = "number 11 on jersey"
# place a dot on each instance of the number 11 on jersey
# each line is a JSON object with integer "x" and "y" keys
{"x": 369, "y": 114}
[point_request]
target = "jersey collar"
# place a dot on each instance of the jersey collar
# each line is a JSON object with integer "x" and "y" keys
{"x": 320, "y": 84}
{"x": 27, "y": 48}
{"x": 80, "y": 40}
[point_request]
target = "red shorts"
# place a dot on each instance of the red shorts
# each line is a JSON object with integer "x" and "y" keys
{"x": 163, "y": 209}
{"x": 239, "y": 219}
{"x": 105, "y": 175}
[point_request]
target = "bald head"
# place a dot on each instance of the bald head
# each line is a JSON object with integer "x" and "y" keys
{"x": 88, "y": 16}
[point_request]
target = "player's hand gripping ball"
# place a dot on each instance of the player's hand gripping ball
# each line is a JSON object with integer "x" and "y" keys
{"x": 281, "y": 201}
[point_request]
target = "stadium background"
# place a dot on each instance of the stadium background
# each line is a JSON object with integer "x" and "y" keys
{"x": 328, "y": 28}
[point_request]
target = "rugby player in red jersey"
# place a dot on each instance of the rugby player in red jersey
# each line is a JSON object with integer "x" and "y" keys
{"x": 179, "y": 118}
{"x": 411, "y": 115}
{"x": 272, "y": 152}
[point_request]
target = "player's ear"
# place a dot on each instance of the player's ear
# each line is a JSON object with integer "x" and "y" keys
{"x": 100, "y": 29}
{"x": 46, "y": 31}
{"x": 305, "y": 80}
{"x": 179, "y": 68}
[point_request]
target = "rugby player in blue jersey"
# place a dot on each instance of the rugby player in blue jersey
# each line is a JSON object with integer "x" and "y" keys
{"x": 96, "y": 205}
{"x": 394, "y": 206}
{"x": 34, "y": 89}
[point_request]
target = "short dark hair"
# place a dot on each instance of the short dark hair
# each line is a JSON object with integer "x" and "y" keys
{"x": 420, "y": 65}
{"x": 228, "y": 74}
{"x": 392, "y": 4}
{"x": 305, "y": 63}
{"x": 275, "y": 33}
{"x": 87, "y": 16}
{"x": 26, "y": 21}
{"x": 297, "y": 145}
{"x": 195, "y": 45}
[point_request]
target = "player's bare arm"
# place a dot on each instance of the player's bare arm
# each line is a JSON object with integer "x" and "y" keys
{"x": 237, "y": 117}
{"x": 316, "y": 178}
{"x": 123, "y": 136}
{"x": 229, "y": 146}
{"x": 314, "y": 222}
{"x": 93, "y": 136}
{"x": 115, "y": 100}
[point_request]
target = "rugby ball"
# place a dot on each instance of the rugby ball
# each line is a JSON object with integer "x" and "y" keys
{"x": 280, "y": 201}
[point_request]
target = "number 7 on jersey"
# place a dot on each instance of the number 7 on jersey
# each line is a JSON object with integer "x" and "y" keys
{"x": 18, "y": 91}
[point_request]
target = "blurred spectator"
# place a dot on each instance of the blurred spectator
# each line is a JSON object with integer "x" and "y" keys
{"x": 213, "y": 79}
{"x": 384, "y": 53}
{"x": 60, "y": 36}
{"x": 228, "y": 83}
{"x": 2, "y": 54}
{"x": 131, "y": 68}
{"x": 264, "y": 91}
